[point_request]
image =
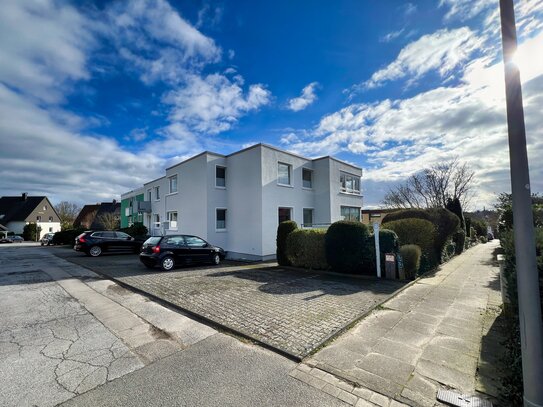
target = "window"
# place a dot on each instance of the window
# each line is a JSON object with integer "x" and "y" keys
{"x": 173, "y": 184}
{"x": 156, "y": 218}
{"x": 149, "y": 195}
{"x": 308, "y": 217}
{"x": 108, "y": 235}
{"x": 350, "y": 213}
{"x": 221, "y": 219}
{"x": 50, "y": 218}
{"x": 350, "y": 184}
{"x": 172, "y": 218}
{"x": 284, "y": 214}
{"x": 157, "y": 193}
{"x": 44, "y": 207}
{"x": 50, "y": 229}
{"x": 307, "y": 178}
{"x": 283, "y": 173}
{"x": 122, "y": 235}
{"x": 175, "y": 241}
{"x": 38, "y": 218}
{"x": 193, "y": 241}
{"x": 220, "y": 177}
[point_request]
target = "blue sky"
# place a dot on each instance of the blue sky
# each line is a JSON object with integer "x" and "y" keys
{"x": 98, "y": 97}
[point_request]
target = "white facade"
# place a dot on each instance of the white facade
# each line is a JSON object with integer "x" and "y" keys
{"x": 240, "y": 212}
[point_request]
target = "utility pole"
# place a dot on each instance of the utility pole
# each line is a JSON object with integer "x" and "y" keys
{"x": 531, "y": 329}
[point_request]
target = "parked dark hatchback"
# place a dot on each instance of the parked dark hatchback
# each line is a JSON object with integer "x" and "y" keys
{"x": 95, "y": 243}
{"x": 169, "y": 251}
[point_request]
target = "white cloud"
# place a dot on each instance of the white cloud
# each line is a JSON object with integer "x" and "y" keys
{"x": 307, "y": 97}
{"x": 401, "y": 137}
{"x": 441, "y": 51}
{"x": 466, "y": 9}
{"x": 392, "y": 35}
{"x": 213, "y": 103}
{"x": 409, "y": 9}
{"x": 43, "y": 47}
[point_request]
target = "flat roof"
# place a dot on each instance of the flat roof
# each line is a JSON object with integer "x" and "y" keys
{"x": 195, "y": 156}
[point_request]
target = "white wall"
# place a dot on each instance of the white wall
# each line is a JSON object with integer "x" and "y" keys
{"x": 337, "y": 198}
{"x": 217, "y": 197}
{"x": 157, "y": 206}
{"x": 18, "y": 227}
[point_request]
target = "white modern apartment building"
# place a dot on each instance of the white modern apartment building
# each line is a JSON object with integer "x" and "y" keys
{"x": 236, "y": 201}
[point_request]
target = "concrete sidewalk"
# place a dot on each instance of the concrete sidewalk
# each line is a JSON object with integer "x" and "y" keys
{"x": 426, "y": 338}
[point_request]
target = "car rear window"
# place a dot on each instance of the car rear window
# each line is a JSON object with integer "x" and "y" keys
{"x": 153, "y": 240}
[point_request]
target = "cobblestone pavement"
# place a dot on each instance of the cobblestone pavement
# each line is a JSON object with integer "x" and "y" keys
{"x": 289, "y": 310}
{"x": 436, "y": 334}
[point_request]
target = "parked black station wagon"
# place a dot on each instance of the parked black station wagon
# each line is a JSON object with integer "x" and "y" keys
{"x": 169, "y": 251}
{"x": 95, "y": 243}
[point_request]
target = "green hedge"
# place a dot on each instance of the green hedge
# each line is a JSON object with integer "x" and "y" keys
{"x": 459, "y": 239}
{"x": 411, "y": 254}
{"x": 283, "y": 230}
{"x": 445, "y": 222}
{"x": 419, "y": 232}
{"x": 346, "y": 245}
{"x": 138, "y": 231}
{"x": 67, "y": 236}
{"x": 305, "y": 248}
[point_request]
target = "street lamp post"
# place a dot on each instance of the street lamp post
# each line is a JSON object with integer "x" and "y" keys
{"x": 531, "y": 329}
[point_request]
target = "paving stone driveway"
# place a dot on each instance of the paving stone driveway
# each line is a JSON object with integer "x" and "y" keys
{"x": 292, "y": 311}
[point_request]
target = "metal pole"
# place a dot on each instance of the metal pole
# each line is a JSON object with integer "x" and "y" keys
{"x": 377, "y": 248}
{"x": 531, "y": 329}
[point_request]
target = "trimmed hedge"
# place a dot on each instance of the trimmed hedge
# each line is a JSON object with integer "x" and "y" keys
{"x": 459, "y": 239}
{"x": 283, "y": 230}
{"x": 388, "y": 241}
{"x": 67, "y": 236}
{"x": 411, "y": 254}
{"x": 138, "y": 229}
{"x": 446, "y": 223}
{"x": 419, "y": 232}
{"x": 305, "y": 248}
{"x": 346, "y": 246}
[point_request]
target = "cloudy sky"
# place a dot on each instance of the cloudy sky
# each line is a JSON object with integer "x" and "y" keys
{"x": 98, "y": 97}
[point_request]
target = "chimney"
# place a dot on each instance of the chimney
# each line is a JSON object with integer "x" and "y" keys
{"x": 24, "y": 196}
{"x": 114, "y": 201}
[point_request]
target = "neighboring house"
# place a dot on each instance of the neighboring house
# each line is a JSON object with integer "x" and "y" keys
{"x": 131, "y": 211}
{"x": 236, "y": 201}
{"x": 18, "y": 211}
{"x": 90, "y": 215}
{"x": 371, "y": 216}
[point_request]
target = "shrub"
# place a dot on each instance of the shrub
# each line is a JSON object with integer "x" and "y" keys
{"x": 345, "y": 246}
{"x": 420, "y": 232}
{"x": 31, "y": 232}
{"x": 388, "y": 241}
{"x": 455, "y": 207}
{"x": 444, "y": 221}
{"x": 67, "y": 236}
{"x": 137, "y": 230}
{"x": 411, "y": 254}
{"x": 468, "y": 227}
{"x": 459, "y": 239}
{"x": 283, "y": 230}
{"x": 305, "y": 248}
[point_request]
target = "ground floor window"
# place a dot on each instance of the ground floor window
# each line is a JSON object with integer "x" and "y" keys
{"x": 172, "y": 219}
{"x": 350, "y": 213}
{"x": 221, "y": 219}
{"x": 285, "y": 214}
{"x": 308, "y": 217}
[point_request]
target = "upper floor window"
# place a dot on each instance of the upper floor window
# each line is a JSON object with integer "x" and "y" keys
{"x": 157, "y": 193}
{"x": 149, "y": 195}
{"x": 283, "y": 173}
{"x": 220, "y": 176}
{"x": 173, "y": 184}
{"x": 38, "y": 218}
{"x": 50, "y": 218}
{"x": 350, "y": 184}
{"x": 307, "y": 178}
{"x": 44, "y": 207}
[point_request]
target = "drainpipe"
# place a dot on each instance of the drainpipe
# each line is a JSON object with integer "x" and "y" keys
{"x": 531, "y": 330}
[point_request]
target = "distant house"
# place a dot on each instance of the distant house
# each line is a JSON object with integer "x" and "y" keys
{"x": 90, "y": 215}
{"x": 18, "y": 211}
{"x": 371, "y": 216}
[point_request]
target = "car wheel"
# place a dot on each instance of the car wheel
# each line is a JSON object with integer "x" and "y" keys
{"x": 42, "y": 243}
{"x": 216, "y": 259}
{"x": 167, "y": 263}
{"x": 95, "y": 251}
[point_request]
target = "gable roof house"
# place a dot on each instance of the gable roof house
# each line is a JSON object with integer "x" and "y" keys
{"x": 18, "y": 211}
{"x": 90, "y": 215}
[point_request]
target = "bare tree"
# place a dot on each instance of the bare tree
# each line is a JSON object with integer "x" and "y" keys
{"x": 67, "y": 212}
{"x": 432, "y": 187}
{"x": 109, "y": 221}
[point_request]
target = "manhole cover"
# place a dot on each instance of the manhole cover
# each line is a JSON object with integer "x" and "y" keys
{"x": 461, "y": 400}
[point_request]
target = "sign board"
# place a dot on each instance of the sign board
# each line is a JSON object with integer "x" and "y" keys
{"x": 390, "y": 266}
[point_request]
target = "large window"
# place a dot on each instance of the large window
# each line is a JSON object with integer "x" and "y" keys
{"x": 283, "y": 173}
{"x": 308, "y": 217}
{"x": 149, "y": 195}
{"x": 172, "y": 219}
{"x": 157, "y": 193}
{"x": 284, "y": 214}
{"x": 350, "y": 213}
{"x": 221, "y": 219}
{"x": 307, "y": 178}
{"x": 220, "y": 177}
{"x": 173, "y": 184}
{"x": 350, "y": 184}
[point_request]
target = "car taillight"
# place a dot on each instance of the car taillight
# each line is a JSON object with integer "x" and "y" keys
{"x": 82, "y": 240}
{"x": 156, "y": 249}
